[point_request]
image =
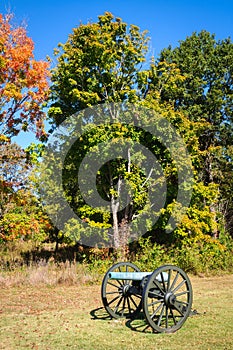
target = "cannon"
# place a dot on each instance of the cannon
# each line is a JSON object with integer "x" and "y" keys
{"x": 165, "y": 295}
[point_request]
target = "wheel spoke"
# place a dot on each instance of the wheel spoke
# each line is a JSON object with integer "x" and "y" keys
{"x": 174, "y": 281}
{"x": 166, "y": 316}
{"x": 118, "y": 304}
{"x": 117, "y": 281}
{"x": 180, "y": 307}
{"x": 137, "y": 296}
{"x": 123, "y": 307}
{"x": 114, "y": 285}
{"x": 169, "y": 279}
{"x": 154, "y": 302}
{"x": 129, "y": 307}
{"x": 155, "y": 294}
{"x": 112, "y": 293}
{"x": 112, "y": 301}
{"x": 182, "y": 293}
{"x": 157, "y": 285}
{"x": 178, "y": 287}
{"x": 162, "y": 277}
{"x": 173, "y": 317}
{"x": 182, "y": 302}
{"x": 155, "y": 312}
{"x": 161, "y": 316}
{"x": 121, "y": 283}
{"x": 130, "y": 297}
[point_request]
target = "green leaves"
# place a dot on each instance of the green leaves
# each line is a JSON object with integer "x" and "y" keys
{"x": 98, "y": 63}
{"x": 205, "y": 98}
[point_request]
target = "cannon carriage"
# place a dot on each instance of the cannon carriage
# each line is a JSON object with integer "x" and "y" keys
{"x": 165, "y": 295}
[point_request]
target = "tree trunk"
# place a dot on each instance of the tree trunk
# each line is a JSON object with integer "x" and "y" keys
{"x": 116, "y": 238}
{"x": 213, "y": 206}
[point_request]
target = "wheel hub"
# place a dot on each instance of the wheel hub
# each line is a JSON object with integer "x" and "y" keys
{"x": 169, "y": 299}
{"x": 124, "y": 290}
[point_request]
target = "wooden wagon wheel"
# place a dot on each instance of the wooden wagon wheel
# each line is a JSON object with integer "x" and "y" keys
{"x": 118, "y": 296}
{"x": 167, "y": 299}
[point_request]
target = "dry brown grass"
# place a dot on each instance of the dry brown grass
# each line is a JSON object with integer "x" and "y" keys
{"x": 47, "y": 273}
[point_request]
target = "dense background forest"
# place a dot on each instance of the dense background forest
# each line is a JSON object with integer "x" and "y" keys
{"x": 102, "y": 64}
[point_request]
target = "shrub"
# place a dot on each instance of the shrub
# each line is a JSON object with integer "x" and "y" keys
{"x": 151, "y": 255}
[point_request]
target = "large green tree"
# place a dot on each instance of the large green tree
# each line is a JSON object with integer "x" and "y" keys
{"x": 100, "y": 62}
{"x": 103, "y": 63}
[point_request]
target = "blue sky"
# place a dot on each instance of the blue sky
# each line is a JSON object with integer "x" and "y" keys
{"x": 50, "y": 21}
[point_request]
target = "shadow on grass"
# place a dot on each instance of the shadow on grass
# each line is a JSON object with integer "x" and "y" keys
{"x": 137, "y": 324}
{"x": 100, "y": 314}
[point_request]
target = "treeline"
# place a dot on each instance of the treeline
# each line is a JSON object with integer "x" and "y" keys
{"x": 104, "y": 64}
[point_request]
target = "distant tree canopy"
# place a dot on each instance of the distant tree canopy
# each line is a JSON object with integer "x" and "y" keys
{"x": 205, "y": 97}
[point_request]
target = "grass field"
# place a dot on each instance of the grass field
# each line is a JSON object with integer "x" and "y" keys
{"x": 72, "y": 317}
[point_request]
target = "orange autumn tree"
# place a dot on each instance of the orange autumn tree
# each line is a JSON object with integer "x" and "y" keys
{"x": 23, "y": 91}
{"x": 23, "y": 82}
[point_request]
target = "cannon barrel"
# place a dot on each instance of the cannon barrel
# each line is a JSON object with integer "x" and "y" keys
{"x": 134, "y": 276}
